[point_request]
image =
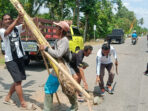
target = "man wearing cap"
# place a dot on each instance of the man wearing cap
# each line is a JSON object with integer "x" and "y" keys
{"x": 61, "y": 50}
{"x": 103, "y": 61}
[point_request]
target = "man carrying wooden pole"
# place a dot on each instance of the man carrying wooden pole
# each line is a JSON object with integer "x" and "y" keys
{"x": 61, "y": 50}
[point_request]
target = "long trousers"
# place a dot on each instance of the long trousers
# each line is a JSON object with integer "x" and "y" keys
{"x": 110, "y": 70}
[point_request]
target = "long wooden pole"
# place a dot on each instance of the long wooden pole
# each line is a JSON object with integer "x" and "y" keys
{"x": 41, "y": 40}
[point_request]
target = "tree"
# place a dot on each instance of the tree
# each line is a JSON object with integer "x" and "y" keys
{"x": 89, "y": 10}
{"x": 32, "y": 6}
{"x": 7, "y": 7}
{"x": 37, "y": 3}
{"x": 125, "y": 19}
{"x": 141, "y": 21}
{"x": 105, "y": 17}
{"x": 76, "y": 13}
{"x": 59, "y": 9}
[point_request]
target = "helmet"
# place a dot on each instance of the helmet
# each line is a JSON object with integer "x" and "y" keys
{"x": 64, "y": 25}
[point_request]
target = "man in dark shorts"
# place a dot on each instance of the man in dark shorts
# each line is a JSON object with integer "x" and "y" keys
{"x": 10, "y": 34}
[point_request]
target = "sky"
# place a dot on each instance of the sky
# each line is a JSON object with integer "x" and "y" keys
{"x": 140, "y": 8}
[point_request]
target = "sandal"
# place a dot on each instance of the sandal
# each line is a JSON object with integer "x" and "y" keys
{"x": 28, "y": 106}
{"x": 10, "y": 102}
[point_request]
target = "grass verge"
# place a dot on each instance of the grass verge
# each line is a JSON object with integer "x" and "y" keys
{"x": 2, "y": 60}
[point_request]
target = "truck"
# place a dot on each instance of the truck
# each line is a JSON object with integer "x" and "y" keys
{"x": 48, "y": 29}
{"x": 116, "y": 35}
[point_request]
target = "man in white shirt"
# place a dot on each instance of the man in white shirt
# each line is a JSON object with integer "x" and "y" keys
{"x": 10, "y": 34}
{"x": 103, "y": 61}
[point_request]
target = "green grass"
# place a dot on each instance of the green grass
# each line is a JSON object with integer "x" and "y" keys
{"x": 2, "y": 60}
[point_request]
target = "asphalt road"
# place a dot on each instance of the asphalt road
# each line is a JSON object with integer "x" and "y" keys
{"x": 130, "y": 91}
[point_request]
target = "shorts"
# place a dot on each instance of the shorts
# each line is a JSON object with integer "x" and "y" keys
{"x": 74, "y": 70}
{"x": 16, "y": 69}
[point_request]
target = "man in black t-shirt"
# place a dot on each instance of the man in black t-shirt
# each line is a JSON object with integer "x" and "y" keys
{"x": 78, "y": 64}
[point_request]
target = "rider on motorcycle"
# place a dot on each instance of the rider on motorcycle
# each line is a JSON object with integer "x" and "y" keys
{"x": 134, "y": 35}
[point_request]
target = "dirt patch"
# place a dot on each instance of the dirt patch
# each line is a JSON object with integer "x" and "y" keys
{"x": 38, "y": 96}
{"x": 98, "y": 41}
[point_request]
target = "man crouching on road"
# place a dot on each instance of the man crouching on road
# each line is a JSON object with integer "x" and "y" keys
{"x": 103, "y": 61}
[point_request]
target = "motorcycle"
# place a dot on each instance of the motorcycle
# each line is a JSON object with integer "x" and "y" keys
{"x": 134, "y": 41}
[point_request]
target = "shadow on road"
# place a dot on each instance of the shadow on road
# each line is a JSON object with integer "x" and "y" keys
{"x": 36, "y": 66}
{"x": 7, "y": 86}
{"x": 27, "y": 93}
{"x": 115, "y": 43}
{"x": 4, "y": 85}
{"x": 30, "y": 83}
{"x": 61, "y": 107}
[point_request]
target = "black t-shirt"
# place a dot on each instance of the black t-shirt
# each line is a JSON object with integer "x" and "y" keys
{"x": 77, "y": 58}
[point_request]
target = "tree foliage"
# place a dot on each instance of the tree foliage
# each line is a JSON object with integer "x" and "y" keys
{"x": 6, "y": 7}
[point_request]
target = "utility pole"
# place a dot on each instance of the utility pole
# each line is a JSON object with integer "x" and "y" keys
{"x": 94, "y": 32}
